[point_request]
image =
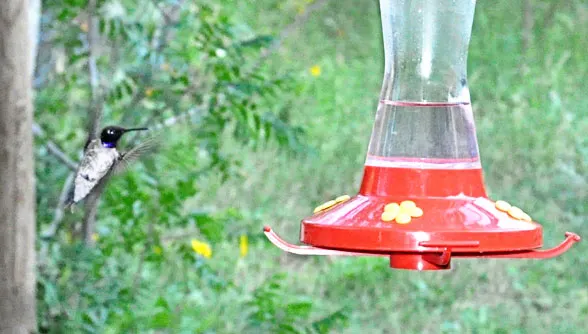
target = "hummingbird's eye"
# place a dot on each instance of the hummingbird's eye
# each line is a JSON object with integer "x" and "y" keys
{"x": 110, "y": 135}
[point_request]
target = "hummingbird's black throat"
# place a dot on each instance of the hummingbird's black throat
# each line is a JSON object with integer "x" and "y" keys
{"x": 111, "y": 134}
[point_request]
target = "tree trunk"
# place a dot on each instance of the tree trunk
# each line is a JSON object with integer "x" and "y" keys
{"x": 17, "y": 189}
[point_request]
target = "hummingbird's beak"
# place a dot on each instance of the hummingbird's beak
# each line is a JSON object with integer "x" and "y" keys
{"x": 136, "y": 129}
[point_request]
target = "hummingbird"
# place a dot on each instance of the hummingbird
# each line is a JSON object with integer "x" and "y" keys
{"x": 101, "y": 159}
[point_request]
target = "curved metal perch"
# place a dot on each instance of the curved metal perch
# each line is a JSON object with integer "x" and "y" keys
{"x": 307, "y": 250}
{"x": 443, "y": 258}
{"x": 570, "y": 240}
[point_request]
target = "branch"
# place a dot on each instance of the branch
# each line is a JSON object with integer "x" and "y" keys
{"x": 54, "y": 149}
{"x": 51, "y": 231}
{"x": 298, "y": 21}
{"x": 190, "y": 114}
{"x": 91, "y": 209}
{"x": 96, "y": 107}
{"x": 550, "y": 13}
{"x": 170, "y": 18}
{"x": 96, "y": 110}
{"x": 528, "y": 23}
{"x": 179, "y": 235}
{"x": 148, "y": 244}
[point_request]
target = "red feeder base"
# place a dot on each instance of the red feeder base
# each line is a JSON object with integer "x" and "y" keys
{"x": 458, "y": 220}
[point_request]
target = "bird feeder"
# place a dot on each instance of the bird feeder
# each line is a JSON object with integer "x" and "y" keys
{"x": 422, "y": 200}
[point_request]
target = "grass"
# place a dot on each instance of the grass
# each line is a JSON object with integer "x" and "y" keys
{"x": 531, "y": 114}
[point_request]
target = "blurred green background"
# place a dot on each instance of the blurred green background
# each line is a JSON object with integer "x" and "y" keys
{"x": 265, "y": 109}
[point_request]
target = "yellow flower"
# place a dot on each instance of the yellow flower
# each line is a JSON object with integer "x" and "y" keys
{"x": 243, "y": 245}
{"x": 157, "y": 250}
{"x": 149, "y": 92}
{"x": 84, "y": 26}
{"x": 201, "y": 248}
{"x": 95, "y": 237}
{"x": 315, "y": 71}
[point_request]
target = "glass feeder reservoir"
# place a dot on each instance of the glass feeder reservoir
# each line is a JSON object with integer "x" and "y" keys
{"x": 422, "y": 200}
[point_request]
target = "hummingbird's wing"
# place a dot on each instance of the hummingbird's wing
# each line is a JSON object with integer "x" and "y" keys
{"x": 125, "y": 159}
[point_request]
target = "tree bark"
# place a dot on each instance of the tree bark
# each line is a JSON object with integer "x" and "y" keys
{"x": 17, "y": 178}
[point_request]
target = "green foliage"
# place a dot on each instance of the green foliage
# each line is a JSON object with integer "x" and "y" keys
{"x": 185, "y": 69}
{"x": 530, "y": 110}
{"x": 221, "y": 171}
{"x": 276, "y": 312}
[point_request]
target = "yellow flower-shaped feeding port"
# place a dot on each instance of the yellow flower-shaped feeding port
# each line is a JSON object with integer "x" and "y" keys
{"x": 401, "y": 213}
{"x": 327, "y": 205}
{"x": 513, "y": 211}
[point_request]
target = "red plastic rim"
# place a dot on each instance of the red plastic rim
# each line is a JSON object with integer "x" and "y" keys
{"x": 456, "y": 214}
{"x": 464, "y": 224}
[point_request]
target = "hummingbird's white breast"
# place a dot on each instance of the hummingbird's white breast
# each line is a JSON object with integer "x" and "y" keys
{"x": 96, "y": 163}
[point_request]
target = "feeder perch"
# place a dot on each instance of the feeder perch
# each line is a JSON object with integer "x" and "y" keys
{"x": 422, "y": 200}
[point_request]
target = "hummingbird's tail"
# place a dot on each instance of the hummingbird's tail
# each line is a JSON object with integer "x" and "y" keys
{"x": 69, "y": 200}
{"x": 69, "y": 206}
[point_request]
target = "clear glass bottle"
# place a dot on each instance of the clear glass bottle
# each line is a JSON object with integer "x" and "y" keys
{"x": 424, "y": 119}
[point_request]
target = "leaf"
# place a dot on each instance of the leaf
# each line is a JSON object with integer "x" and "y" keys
{"x": 161, "y": 302}
{"x": 287, "y": 328}
{"x": 209, "y": 227}
{"x": 161, "y": 320}
{"x": 326, "y": 325}
{"x": 299, "y": 309}
{"x": 257, "y": 42}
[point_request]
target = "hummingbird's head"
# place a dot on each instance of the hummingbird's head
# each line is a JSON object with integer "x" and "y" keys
{"x": 111, "y": 134}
